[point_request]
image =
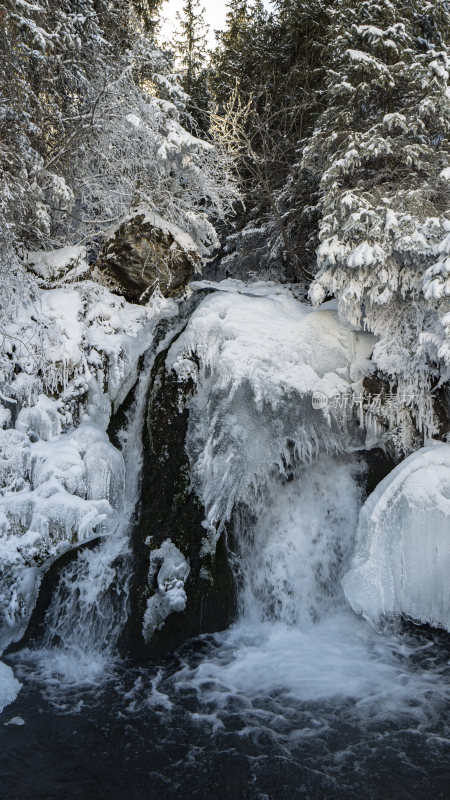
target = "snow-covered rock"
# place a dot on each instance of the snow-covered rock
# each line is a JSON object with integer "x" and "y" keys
{"x": 54, "y": 264}
{"x": 401, "y": 564}
{"x": 147, "y": 253}
{"x": 41, "y": 421}
{"x": 170, "y": 596}
{"x": 9, "y": 686}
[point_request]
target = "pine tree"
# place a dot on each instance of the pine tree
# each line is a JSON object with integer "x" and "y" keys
{"x": 147, "y": 13}
{"x": 191, "y": 45}
{"x": 381, "y": 152}
{"x": 229, "y": 56}
{"x": 269, "y": 65}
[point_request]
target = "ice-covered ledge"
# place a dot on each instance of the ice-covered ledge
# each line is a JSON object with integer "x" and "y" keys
{"x": 401, "y": 565}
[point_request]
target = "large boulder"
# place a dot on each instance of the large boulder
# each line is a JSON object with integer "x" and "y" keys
{"x": 145, "y": 253}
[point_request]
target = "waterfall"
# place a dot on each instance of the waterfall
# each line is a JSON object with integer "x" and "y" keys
{"x": 299, "y": 696}
{"x": 89, "y": 605}
{"x": 295, "y": 545}
{"x": 281, "y": 478}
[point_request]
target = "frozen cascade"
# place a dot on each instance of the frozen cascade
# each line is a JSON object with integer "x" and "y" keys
{"x": 259, "y": 357}
{"x": 89, "y": 605}
{"x": 280, "y": 477}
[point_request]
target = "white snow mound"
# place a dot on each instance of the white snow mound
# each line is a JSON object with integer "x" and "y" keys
{"x": 401, "y": 565}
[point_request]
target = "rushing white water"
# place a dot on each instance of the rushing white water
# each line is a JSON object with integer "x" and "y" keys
{"x": 292, "y": 555}
{"x": 296, "y": 640}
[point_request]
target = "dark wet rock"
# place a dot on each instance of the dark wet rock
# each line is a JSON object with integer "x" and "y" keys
{"x": 441, "y": 407}
{"x": 378, "y": 465}
{"x": 171, "y": 510}
{"x": 146, "y": 253}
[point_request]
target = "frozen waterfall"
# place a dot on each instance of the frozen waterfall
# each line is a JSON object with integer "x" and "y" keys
{"x": 282, "y": 477}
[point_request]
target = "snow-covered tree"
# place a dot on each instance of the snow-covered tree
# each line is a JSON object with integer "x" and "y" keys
{"x": 267, "y": 77}
{"x": 381, "y": 151}
{"x": 191, "y": 45}
{"x": 140, "y": 155}
{"x": 90, "y": 127}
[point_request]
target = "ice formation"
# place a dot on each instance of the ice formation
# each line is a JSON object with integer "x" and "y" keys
{"x": 61, "y": 480}
{"x": 56, "y": 492}
{"x": 171, "y": 569}
{"x": 82, "y": 338}
{"x": 402, "y": 558}
{"x": 258, "y": 356}
{"x": 9, "y": 686}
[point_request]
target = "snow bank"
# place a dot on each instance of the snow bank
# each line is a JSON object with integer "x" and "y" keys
{"x": 258, "y": 356}
{"x": 9, "y": 686}
{"x": 402, "y": 559}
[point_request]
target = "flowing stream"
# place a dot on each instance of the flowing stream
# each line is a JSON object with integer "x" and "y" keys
{"x": 300, "y": 698}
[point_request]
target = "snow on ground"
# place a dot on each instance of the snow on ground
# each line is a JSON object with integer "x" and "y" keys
{"x": 402, "y": 559}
